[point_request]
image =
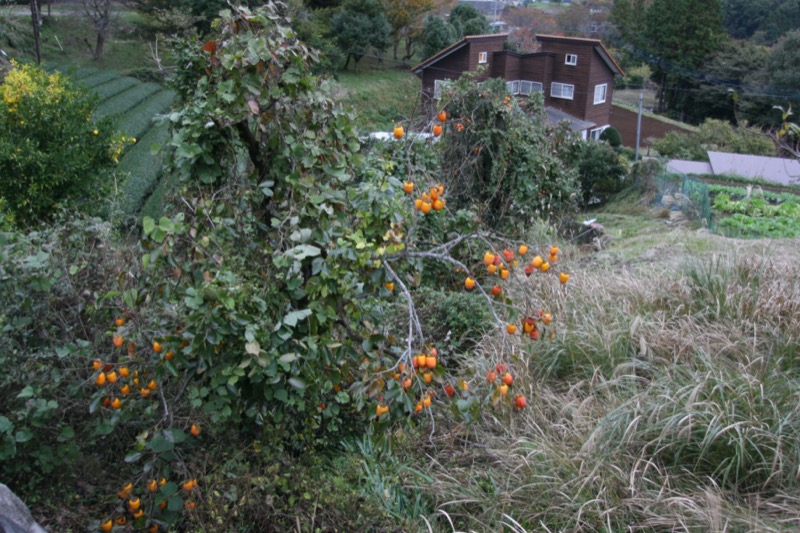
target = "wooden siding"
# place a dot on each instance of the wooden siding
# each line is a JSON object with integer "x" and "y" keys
{"x": 488, "y": 45}
{"x": 536, "y": 67}
{"x": 546, "y": 67}
{"x": 576, "y": 75}
{"x": 600, "y": 114}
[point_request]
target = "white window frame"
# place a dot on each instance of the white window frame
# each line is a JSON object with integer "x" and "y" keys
{"x": 596, "y": 132}
{"x": 527, "y": 87}
{"x": 513, "y": 86}
{"x": 439, "y": 86}
{"x": 571, "y": 59}
{"x": 600, "y": 99}
{"x": 564, "y": 91}
{"x": 483, "y": 57}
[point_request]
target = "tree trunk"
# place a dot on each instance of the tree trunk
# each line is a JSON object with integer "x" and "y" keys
{"x": 394, "y": 49}
{"x": 99, "y": 45}
{"x": 347, "y": 63}
{"x": 35, "y": 18}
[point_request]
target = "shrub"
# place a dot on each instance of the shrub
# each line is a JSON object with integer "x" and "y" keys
{"x": 611, "y": 136}
{"x": 50, "y": 145}
{"x": 601, "y": 171}
{"x": 499, "y": 158}
{"x": 714, "y": 135}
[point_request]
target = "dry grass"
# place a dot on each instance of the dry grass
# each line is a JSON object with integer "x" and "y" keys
{"x": 669, "y": 400}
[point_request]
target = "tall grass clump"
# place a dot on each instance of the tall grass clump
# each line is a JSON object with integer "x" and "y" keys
{"x": 667, "y": 399}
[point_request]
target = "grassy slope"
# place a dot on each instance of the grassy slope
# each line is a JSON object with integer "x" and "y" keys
{"x": 667, "y": 398}
{"x": 381, "y": 97}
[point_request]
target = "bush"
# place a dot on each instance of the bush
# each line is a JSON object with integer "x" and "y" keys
{"x": 499, "y": 158}
{"x": 50, "y": 145}
{"x": 601, "y": 172}
{"x": 611, "y": 136}
{"x": 714, "y": 135}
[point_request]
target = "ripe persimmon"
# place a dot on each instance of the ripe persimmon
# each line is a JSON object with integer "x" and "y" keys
{"x": 488, "y": 258}
{"x": 389, "y": 286}
{"x": 508, "y": 379}
{"x": 116, "y": 403}
{"x": 520, "y": 402}
{"x": 152, "y": 486}
{"x": 442, "y": 116}
{"x": 545, "y": 266}
{"x": 408, "y": 187}
{"x": 100, "y": 380}
{"x": 111, "y": 377}
{"x": 523, "y": 249}
{"x": 511, "y": 329}
{"x": 449, "y": 390}
{"x": 469, "y": 283}
{"x": 134, "y": 503}
{"x": 437, "y": 130}
{"x": 157, "y": 347}
{"x": 563, "y": 278}
{"x": 107, "y": 525}
{"x": 97, "y": 364}
{"x": 496, "y": 290}
{"x": 537, "y": 262}
{"x": 117, "y": 340}
{"x": 430, "y": 362}
{"x": 195, "y": 430}
{"x": 120, "y": 321}
{"x": 124, "y": 372}
{"x": 398, "y": 132}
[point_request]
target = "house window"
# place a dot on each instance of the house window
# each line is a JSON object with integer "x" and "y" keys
{"x": 513, "y": 86}
{"x": 528, "y": 87}
{"x": 562, "y": 90}
{"x": 572, "y": 59}
{"x": 595, "y": 133}
{"x": 483, "y": 57}
{"x": 600, "y": 93}
{"x": 439, "y": 86}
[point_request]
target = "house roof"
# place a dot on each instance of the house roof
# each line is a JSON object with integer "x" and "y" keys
{"x": 680, "y": 166}
{"x": 455, "y": 47}
{"x": 555, "y": 116}
{"x": 779, "y": 170}
{"x": 598, "y": 46}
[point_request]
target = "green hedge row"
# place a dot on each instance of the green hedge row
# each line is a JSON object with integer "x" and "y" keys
{"x": 114, "y": 87}
{"x": 138, "y": 120}
{"x": 142, "y": 168}
{"x": 127, "y": 100}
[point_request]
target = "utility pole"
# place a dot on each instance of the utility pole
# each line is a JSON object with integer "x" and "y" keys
{"x": 35, "y": 18}
{"x": 639, "y": 127}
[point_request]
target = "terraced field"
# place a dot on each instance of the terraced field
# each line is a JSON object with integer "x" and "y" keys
{"x": 134, "y": 104}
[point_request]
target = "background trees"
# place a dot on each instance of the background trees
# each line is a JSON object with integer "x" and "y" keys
{"x": 359, "y": 26}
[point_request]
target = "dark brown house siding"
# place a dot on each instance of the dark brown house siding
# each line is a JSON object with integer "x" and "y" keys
{"x": 594, "y": 67}
{"x": 576, "y": 75}
{"x": 599, "y": 74}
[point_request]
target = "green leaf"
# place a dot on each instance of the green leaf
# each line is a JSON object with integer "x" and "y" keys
{"x": 302, "y": 251}
{"x": 23, "y": 435}
{"x": 5, "y": 425}
{"x": 148, "y": 224}
{"x": 169, "y": 489}
{"x": 297, "y": 383}
{"x": 132, "y": 457}
{"x": 27, "y": 392}
{"x": 159, "y": 444}
{"x": 288, "y": 358}
{"x": 292, "y": 318}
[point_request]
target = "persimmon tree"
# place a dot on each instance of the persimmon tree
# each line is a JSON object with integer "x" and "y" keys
{"x": 279, "y": 294}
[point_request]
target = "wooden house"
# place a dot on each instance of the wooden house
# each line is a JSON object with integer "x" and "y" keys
{"x": 575, "y": 75}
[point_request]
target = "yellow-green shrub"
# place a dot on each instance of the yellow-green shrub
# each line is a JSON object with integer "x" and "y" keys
{"x": 51, "y": 150}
